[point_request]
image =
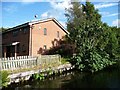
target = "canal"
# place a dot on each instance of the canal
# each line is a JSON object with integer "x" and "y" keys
{"x": 108, "y": 78}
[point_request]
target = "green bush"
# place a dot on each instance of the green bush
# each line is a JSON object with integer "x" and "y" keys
{"x": 64, "y": 60}
{"x": 4, "y": 78}
{"x": 39, "y": 76}
{"x": 92, "y": 61}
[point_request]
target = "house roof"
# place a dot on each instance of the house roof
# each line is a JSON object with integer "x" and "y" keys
{"x": 38, "y": 21}
{"x": 16, "y": 27}
{"x": 50, "y": 19}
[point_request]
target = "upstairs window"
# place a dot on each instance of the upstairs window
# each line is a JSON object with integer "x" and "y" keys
{"x": 15, "y": 33}
{"x": 44, "y": 47}
{"x": 45, "y": 31}
{"x": 58, "y": 34}
{"x": 25, "y": 30}
{"x": 39, "y": 28}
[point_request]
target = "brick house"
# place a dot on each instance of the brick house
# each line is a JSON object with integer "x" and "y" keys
{"x": 32, "y": 38}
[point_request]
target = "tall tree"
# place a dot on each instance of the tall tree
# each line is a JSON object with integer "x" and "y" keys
{"x": 86, "y": 32}
{"x": 74, "y": 20}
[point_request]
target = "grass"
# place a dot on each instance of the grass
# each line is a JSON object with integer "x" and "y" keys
{"x": 64, "y": 60}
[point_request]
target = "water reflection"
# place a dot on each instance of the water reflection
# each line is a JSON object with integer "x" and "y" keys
{"x": 74, "y": 79}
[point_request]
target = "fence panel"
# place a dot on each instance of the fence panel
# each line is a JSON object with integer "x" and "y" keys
{"x": 17, "y": 63}
{"x": 27, "y": 61}
{"x": 48, "y": 59}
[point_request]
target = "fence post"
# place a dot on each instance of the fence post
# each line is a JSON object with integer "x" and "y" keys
{"x": 60, "y": 59}
{"x": 38, "y": 60}
{"x": 0, "y": 64}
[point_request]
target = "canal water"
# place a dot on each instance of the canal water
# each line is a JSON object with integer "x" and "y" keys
{"x": 108, "y": 78}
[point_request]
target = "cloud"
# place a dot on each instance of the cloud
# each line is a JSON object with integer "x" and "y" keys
{"x": 10, "y": 8}
{"x": 104, "y": 13}
{"x": 49, "y": 15}
{"x": 59, "y": 0}
{"x": 114, "y": 14}
{"x": 57, "y": 11}
{"x": 46, "y": 15}
{"x": 60, "y": 5}
{"x": 105, "y": 5}
{"x": 107, "y": 14}
{"x": 116, "y": 23}
{"x": 63, "y": 23}
{"x": 30, "y": 0}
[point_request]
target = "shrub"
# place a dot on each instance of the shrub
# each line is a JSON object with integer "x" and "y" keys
{"x": 4, "y": 78}
{"x": 92, "y": 61}
{"x": 65, "y": 50}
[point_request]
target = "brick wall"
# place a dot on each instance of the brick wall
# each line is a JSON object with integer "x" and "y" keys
{"x": 18, "y": 35}
{"x": 39, "y": 40}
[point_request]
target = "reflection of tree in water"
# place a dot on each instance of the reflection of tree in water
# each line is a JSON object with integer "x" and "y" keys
{"x": 75, "y": 79}
{"x": 109, "y": 78}
{"x": 53, "y": 81}
{"x": 102, "y": 79}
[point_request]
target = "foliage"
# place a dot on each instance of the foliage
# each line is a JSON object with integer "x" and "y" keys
{"x": 114, "y": 42}
{"x": 39, "y": 76}
{"x": 92, "y": 38}
{"x": 65, "y": 50}
{"x": 4, "y": 78}
{"x": 2, "y": 29}
{"x": 64, "y": 60}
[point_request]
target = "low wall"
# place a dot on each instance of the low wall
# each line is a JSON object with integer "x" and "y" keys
{"x": 23, "y": 76}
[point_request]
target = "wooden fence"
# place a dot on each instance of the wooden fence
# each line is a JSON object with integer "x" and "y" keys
{"x": 48, "y": 59}
{"x": 19, "y": 62}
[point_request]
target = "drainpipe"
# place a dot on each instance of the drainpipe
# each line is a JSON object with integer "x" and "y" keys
{"x": 5, "y": 51}
{"x": 30, "y": 41}
{"x": 15, "y": 51}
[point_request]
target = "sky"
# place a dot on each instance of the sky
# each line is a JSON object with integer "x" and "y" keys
{"x": 14, "y": 13}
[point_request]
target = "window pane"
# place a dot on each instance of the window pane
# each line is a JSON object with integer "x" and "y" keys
{"x": 58, "y": 34}
{"x": 45, "y": 47}
{"x": 25, "y": 30}
{"x": 15, "y": 33}
{"x": 45, "y": 31}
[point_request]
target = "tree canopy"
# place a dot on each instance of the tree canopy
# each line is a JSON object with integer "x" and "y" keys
{"x": 2, "y": 29}
{"x": 91, "y": 37}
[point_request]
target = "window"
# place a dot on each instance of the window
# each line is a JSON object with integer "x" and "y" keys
{"x": 58, "y": 34}
{"x": 25, "y": 30}
{"x": 39, "y": 28}
{"x": 15, "y": 33}
{"x": 45, "y": 31}
{"x": 44, "y": 47}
